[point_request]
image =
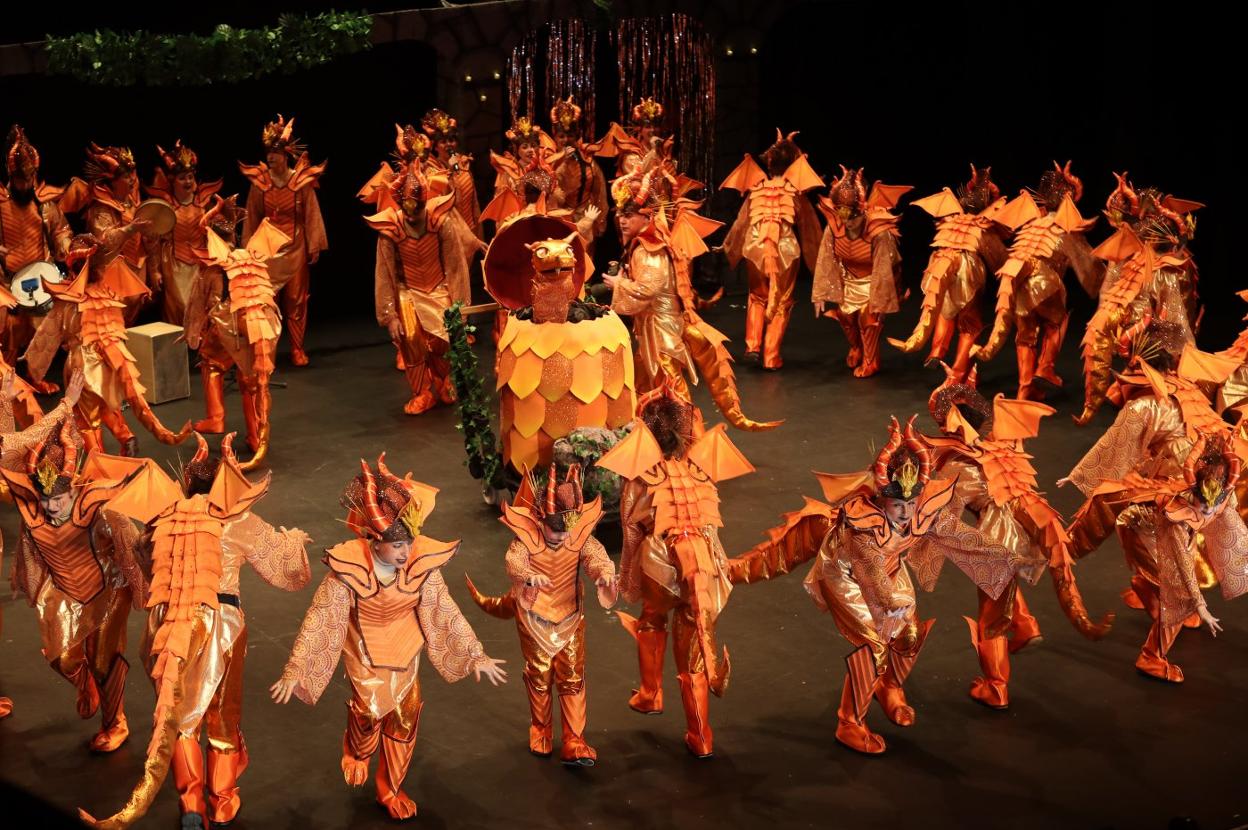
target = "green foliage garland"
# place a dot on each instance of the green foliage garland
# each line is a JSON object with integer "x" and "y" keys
{"x": 228, "y": 55}
{"x": 484, "y": 461}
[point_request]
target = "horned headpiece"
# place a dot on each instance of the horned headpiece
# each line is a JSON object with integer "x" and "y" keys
{"x": 781, "y": 153}
{"x": 963, "y": 395}
{"x": 904, "y": 465}
{"x": 848, "y": 190}
{"x": 439, "y": 125}
{"x": 410, "y": 145}
{"x": 22, "y": 157}
{"x": 523, "y": 131}
{"x": 565, "y": 116}
{"x": 52, "y": 463}
{"x": 278, "y": 136}
{"x": 181, "y": 160}
{"x": 647, "y": 113}
{"x": 979, "y": 192}
{"x": 1211, "y": 470}
{"x": 1055, "y": 184}
{"x": 382, "y": 506}
{"x": 562, "y": 501}
{"x": 106, "y": 163}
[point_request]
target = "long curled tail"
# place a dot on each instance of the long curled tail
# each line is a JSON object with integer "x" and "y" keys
{"x": 788, "y": 545}
{"x": 1001, "y": 325}
{"x": 935, "y": 282}
{"x": 166, "y": 719}
{"x": 706, "y": 346}
{"x": 1098, "y": 355}
{"x": 1071, "y": 600}
{"x": 503, "y": 607}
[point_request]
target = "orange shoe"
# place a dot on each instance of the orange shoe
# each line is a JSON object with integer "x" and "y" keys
{"x": 991, "y": 693}
{"x": 648, "y": 700}
{"x": 576, "y": 753}
{"x": 299, "y": 357}
{"x": 420, "y": 403}
{"x": 88, "y": 702}
{"x": 1132, "y": 599}
{"x": 859, "y": 738}
{"x": 1158, "y": 668}
{"x": 111, "y": 738}
{"x": 892, "y": 700}
{"x": 540, "y": 742}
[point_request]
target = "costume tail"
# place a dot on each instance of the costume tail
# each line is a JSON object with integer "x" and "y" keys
{"x": 935, "y": 281}
{"x": 1098, "y": 354}
{"x": 788, "y": 545}
{"x": 706, "y": 346}
{"x": 134, "y": 395}
{"x": 1071, "y": 600}
{"x": 167, "y": 677}
{"x": 1001, "y": 325}
{"x": 503, "y": 607}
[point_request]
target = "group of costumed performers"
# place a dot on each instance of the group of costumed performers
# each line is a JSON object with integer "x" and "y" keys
{"x": 103, "y": 534}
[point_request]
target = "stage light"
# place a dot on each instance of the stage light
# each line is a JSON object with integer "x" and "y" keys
{"x": 467, "y": 79}
{"x": 753, "y": 50}
{"x": 483, "y": 96}
{"x": 728, "y": 51}
{"x": 497, "y": 75}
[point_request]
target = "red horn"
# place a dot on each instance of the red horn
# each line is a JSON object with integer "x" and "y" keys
{"x": 32, "y": 457}
{"x": 201, "y": 451}
{"x": 551, "y": 484}
{"x": 1193, "y": 456}
{"x": 372, "y": 510}
{"x": 70, "y": 465}
{"x": 886, "y": 454}
{"x": 915, "y": 442}
{"x": 227, "y": 448}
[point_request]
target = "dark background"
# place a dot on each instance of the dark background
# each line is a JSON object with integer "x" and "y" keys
{"x": 913, "y": 92}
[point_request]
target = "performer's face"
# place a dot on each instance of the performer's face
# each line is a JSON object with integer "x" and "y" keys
{"x": 19, "y": 183}
{"x": 57, "y": 508}
{"x": 276, "y": 160}
{"x": 565, "y": 139}
{"x": 898, "y": 511}
{"x": 631, "y": 224}
{"x": 445, "y": 147}
{"x": 123, "y": 183}
{"x": 393, "y": 554}
{"x": 645, "y": 134}
{"x": 554, "y": 538}
{"x": 526, "y": 152}
{"x": 184, "y": 185}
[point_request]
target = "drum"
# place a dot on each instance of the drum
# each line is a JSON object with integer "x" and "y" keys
{"x": 159, "y": 215}
{"x": 28, "y": 286}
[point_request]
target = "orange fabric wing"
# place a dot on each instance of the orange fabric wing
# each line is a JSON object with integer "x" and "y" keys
{"x": 745, "y": 176}
{"x": 718, "y": 457}
{"x": 802, "y": 176}
{"x": 1197, "y": 366}
{"x": 887, "y": 195}
{"x": 1014, "y": 420}
{"x": 837, "y": 487}
{"x": 638, "y": 452}
{"x": 940, "y": 204}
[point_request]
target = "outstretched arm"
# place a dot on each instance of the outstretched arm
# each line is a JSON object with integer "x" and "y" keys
{"x": 318, "y": 645}
{"x": 450, "y": 643}
{"x": 279, "y": 556}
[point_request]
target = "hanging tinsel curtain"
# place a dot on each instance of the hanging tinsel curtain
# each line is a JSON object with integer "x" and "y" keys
{"x": 550, "y": 64}
{"x": 672, "y": 59}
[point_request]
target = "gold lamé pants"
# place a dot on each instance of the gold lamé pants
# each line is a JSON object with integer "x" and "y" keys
{"x": 394, "y": 734}
{"x": 768, "y": 310}
{"x": 91, "y": 660}
{"x": 566, "y": 670}
{"x": 212, "y": 703}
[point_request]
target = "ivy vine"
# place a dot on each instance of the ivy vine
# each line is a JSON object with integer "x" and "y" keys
{"x": 484, "y": 461}
{"x": 228, "y": 55}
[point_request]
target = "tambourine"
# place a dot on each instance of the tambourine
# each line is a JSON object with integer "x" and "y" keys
{"x": 159, "y": 216}
{"x": 28, "y": 285}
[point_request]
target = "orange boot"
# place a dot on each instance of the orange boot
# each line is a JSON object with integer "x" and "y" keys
{"x": 849, "y": 325}
{"x": 992, "y": 687}
{"x": 423, "y": 398}
{"x": 772, "y": 341}
{"x": 213, "y": 378}
{"x": 1050, "y": 347}
{"x": 755, "y": 314}
{"x": 892, "y": 699}
{"x": 541, "y": 716}
{"x": 942, "y": 336}
{"x": 188, "y": 777}
{"x": 115, "y": 730}
{"x": 396, "y": 756}
{"x": 1152, "y": 660}
{"x": 851, "y": 726}
{"x": 695, "y": 695}
{"x": 1024, "y": 628}
{"x": 574, "y": 751}
{"x": 650, "y": 647}
{"x": 116, "y": 424}
{"x": 872, "y": 325}
{"x": 1026, "y": 372}
{"x": 224, "y": 769}
{"x": 359, "y": 743}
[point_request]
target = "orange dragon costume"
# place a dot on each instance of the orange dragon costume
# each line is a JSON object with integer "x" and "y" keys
{"x": 202, "y": 531}
{"x": 26, "y": 408}
{"x": 562, "y": 364}
{"x": 236, "y": 328}
{"x": 654, "y": 288}
{"x": 531, "y": 148}
{"x": 378, "y": 624}
{"x": 423, "y": 251}
{"x": 180, "y": 255}
{"x": 775, "y": 230}
{"x": 982, "y": 449}
{"x": 1160, "y": 529}
{"x": 968, "y": 246}
{"x": 672, "y": 561}
{"x": 286, "y": 196}
{"x": 1165, "y": 412}
{"x": 76, "y": 568}
{"x": 33, "y": 228}
{"x": 1149, "y": 272}
{"x": 1031, "y": 296}
{"x": 547, "y": 602}
{"x": 858, "y": 269}
{"x": 579, "y": 181}
{"x": 630, "y": 147}
{"x": 111, "y": 199}
{"x": 862, "y": 575}
{"x": 443, "y": 131}
{"x": 88, "y": 321}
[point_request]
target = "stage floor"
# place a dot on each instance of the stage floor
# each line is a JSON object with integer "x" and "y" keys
{"x": 1087, "y": 742}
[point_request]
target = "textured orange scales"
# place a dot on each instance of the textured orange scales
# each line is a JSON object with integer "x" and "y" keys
{"x": 960, "y": 232}
{"x": 556, "y": 377}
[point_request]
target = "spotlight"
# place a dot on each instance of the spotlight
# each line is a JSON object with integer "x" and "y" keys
{"x": 497, "y": 74}
{"x": 728, "y": 51}
{"x": 483, "y": 96}
{"x": 753, "y": 50}
{"x": 467, "y": 79}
